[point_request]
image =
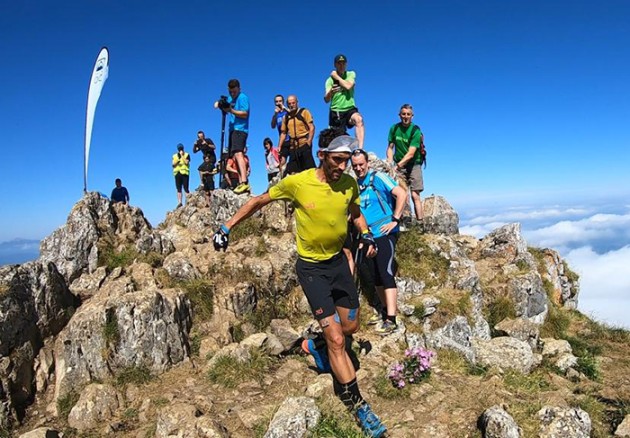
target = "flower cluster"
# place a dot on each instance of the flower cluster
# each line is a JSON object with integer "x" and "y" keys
{"x": 415, "y": 367}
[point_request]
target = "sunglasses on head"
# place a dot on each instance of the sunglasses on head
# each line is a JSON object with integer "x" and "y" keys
{"x": 357, "y": 152}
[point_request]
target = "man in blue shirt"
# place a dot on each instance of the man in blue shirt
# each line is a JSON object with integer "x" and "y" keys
{"x": 120, "y": 193}
{"x": 378, "y": 193}
{"x": 238, "y": 113}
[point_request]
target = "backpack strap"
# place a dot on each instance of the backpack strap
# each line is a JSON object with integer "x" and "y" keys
{"x": 298, "y": 116}
{"x": 370, "y": 184}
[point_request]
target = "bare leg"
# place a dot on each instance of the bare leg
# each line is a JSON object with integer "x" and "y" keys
{"x": 417, "y": 204}
{"x": 240, "y": 162}
{"x": 348, "y": 254}
{"x": 391, "y": 297}
{"x": 359, "y": 128}
{"x": 335, "y": 331}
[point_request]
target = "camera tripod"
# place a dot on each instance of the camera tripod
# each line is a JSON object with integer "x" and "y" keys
{"x": 224, "y": 153}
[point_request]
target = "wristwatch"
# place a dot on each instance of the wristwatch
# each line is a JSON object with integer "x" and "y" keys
{"x": 395, "y": 219}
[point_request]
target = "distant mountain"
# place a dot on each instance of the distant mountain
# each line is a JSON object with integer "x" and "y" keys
{"x": 18, "y": 251}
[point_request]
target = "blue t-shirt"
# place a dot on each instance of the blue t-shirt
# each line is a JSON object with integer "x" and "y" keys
{"x": 377, "y": 208}
{"x": 241, "y": 104}
{"x": 120, "y": 194}
{"x": 279, "y": 117}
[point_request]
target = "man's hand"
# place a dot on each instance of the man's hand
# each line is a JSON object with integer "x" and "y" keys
{"x": 388, "y": 227}
{"x": 221, "y": 239}
{"x": 367, "y": 241}
{"x": 335, "y": 75}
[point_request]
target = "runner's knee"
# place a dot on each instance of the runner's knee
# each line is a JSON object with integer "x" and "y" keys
{"x": 357, "y": 119}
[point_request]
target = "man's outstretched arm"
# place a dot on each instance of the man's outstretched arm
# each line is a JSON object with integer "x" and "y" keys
{"x": 248, "y": 209}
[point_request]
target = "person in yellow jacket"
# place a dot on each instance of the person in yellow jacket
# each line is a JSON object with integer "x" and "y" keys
{"x": 181, "y": 170}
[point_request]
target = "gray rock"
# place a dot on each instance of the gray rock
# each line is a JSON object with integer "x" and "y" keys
{"x": 497, "y": 423}
{"x": 179, "y": 267}
{"x": 521, "y": 329}
{"x": 624, "y": 428}
{"x": 564, "y": 422}
{"x": 285, "y": 333}
{"x": 97, "y": 404}
{"x": 185, "y": 420}
{"x": 565, "y": 291}
{"x": 41, "y": 432}
{"x": 566, "y": 361}
{"x": 455, "y": 335}
{"x": 555, "y": 347}
{"x": 113, "y": 332}
{"x": 294, "y": 418}
{"x": 504, "y": 353}
{"x": 529, "y": 297}
{"x": 408, "y": 288}
{"x": 505, "y": 242}
{"x": 439, "y": 216}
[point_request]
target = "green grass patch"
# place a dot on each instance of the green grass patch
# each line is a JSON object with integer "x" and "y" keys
{"x": 160, "y": 401}
{"x": 418, "y": 261}
{"x": 539, "y": 256}
{"x": 453, "y": 303}
{"x": 135, "y": 375}
{"x": 336, "y": 425}
{"x": 111, "y": 333}
{"x": 418, "y": 311}
{"x": 66, "y": 403}
{"x": 195, "y": 344}
{"x": 596, "y": 409}
{"x": 155, "y": 259}
{"x": 526, "y": 383}
{"x": 452, "y": 360}
{"x": 251, "y": 226}
{"x": 113, "y": 258}
{"x": 229, "y": 372}
{"x": 200, "y": 292}
{"x": 589, "y": 367}
{"x": 556, "y": 324}
{"x": 499, "y": 309}
{"x": 522, "y": 265}
{"x": 237, "y": 332}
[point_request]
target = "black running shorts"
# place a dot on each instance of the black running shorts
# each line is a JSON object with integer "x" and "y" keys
{"x": 238, "y": 141}
{"x": 385, "y": 266}
{"x": 327, "y": 285}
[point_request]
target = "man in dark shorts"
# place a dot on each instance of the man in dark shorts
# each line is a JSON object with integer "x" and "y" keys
{"x": 299, "y": 127}
{"x": 238, "y": 112}
{"x": 339, "y": 89}
{"x": 382, "y": 204}
{"x": 181, "y": 170}
{"x": 206, "y": 175}
{"x": 323, "y": 198}
{"x": 206, "y": 146}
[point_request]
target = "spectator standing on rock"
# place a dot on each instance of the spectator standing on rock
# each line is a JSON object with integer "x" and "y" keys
{"x": 206, "y": 175}
{"x": 405, "y": 144}
{"x": 299, "y": 127}
{"x": 382, "y": 204}
{"x": 323, "y": 197}
{"x": 339, "y": 91}
{"x": 272, "y": 159}
{"x": 120, "y": 193}
{"x": 181, "y": 170}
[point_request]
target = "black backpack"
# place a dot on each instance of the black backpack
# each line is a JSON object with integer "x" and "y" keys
{"x": 421, "y": 150}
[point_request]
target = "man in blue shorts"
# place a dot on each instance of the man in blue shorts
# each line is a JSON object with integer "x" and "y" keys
{"x": 323, "y": 197}
{"x": 378, "y": 193}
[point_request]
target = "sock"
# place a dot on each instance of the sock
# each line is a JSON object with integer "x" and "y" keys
{"x": 320, "y": 342}
{"x": 348, "y": 393}
{"x": 392, "y": 318}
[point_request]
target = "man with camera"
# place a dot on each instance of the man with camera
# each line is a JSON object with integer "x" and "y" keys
{"x": 236, "y": 106}
{"x": 298, "y": 126}
{"x": 181, "y": 170}
{"x": 340, "y": 93}
{"x": 206, "y": 146}
{"x": 279, "y": 111}
{"x": 323, "y": 198}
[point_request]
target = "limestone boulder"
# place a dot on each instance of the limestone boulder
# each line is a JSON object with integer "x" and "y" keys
{"x": 294, "y": 418}
{"x": 439, "y": 216}
{"x": 504, "y": 353}
{"x": 530, "y": 299}
{"x": 564, "y": 422}
{"x": 521, "y": 329}
{"x": 184, "y": 420}
{"x": 98, "y": 403}
{"x": 495, "y": 422}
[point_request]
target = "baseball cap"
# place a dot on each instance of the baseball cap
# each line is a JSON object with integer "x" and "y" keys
{"x": 341, "y": 58}
{"x": 343, "y": 143}
{"x": 180, "y": 147}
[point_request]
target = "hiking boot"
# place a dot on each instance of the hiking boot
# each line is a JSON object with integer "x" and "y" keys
{"x": 242, "y": 188}
{"x": 369, "y": 421}
{"x": 179, "y": 205}
{"x": 319, "y": 354}
{"x": 387, "y": 328}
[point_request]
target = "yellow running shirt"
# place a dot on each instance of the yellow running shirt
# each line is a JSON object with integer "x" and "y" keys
{"x": 321, "y": 212}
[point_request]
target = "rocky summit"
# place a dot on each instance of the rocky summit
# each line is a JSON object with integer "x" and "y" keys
{"x": 123, "y": 329}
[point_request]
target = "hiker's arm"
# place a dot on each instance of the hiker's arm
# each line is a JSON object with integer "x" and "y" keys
{"x": 359, "y": 222}
{"x": 408, "y": 157}
{"x": 250, "y": 207}
{"x": 311, "y": 133}
{"x": 401, "y": 200}
{"x": 274, "y": 121}
{"x": 390, "y": 153}
{"x": 346, "y": 84}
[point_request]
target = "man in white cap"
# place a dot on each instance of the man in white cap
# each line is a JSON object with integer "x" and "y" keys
{"x": 323, "y": 198}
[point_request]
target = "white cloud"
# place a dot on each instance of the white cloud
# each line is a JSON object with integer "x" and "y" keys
{"x": 522, "y": 214}
{"x": 604, "y": 283}
{"x": 481, "y": 230}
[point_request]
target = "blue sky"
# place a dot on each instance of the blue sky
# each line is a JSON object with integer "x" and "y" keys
{"x": 522, "y": 103}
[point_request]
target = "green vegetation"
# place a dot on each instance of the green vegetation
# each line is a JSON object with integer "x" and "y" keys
{"x": 112, "y": 258}
{"x": 66, "y": 403}
{"x": 522, "y": 265}
{"x": 338, "y": 424}
{"x": 418, "y": 311}
{"x": 195, "y": 344}
{"x": 539, "y": 256}
{"x": 418, "y": 261}
{"x": 111, "y": 334}
{"x": 200, "y": 292}
{"x": 237, "y": 332}
{"x": 261, "y": 247}
{"x": 556, "y": 324}
{"x": 526, "y": 383}
{"x": 230, "y": 372}
{"x": 155, "y": 259}
{"x": 455, "y": 361}
{"x": 160, "y": 401}
{"x": 136, "y": 375}
{"x": 596, "y": 409}
{"x": 499, "y": 309}
{"x": 453, "y": 303}
{"x": 251, "y": 226}
{"x": 384, "y": 388}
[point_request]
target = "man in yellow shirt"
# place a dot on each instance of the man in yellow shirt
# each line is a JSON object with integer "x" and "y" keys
{"x": 181, "y": 171}
{"x": 323, "y": 197}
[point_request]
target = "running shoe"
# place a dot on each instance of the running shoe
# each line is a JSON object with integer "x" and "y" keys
{"x": 319, "y": 354}
{"x": 369, "y": 421}
{"x": 386, "y": 328}
{"x": 242, "y": 188}
{"x": 375, "y": 319}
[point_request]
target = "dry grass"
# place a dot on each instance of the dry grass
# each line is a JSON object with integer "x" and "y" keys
{"x": 418, "y": 261}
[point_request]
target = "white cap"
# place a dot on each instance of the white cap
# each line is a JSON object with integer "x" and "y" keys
{"x": 343, "y": 143}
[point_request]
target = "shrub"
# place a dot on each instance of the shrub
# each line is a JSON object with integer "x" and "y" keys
{"x": 200, "y": 292}
{"x": 499, "y": 309}
{"x": 111, "y": 334}
{"x": 136, "y": 375}
{"x": 66, "y": 403}
{"x": 230, "y": 372}
{"x": 556, "y": 324}
{"x": 112, "y": 258}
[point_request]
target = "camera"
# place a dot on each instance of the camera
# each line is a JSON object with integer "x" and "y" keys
{"x": 222, "y": 103}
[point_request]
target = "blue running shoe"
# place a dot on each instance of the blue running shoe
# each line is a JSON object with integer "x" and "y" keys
{"x": 369, "y": 421}
{"x": 320, "y": 355}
